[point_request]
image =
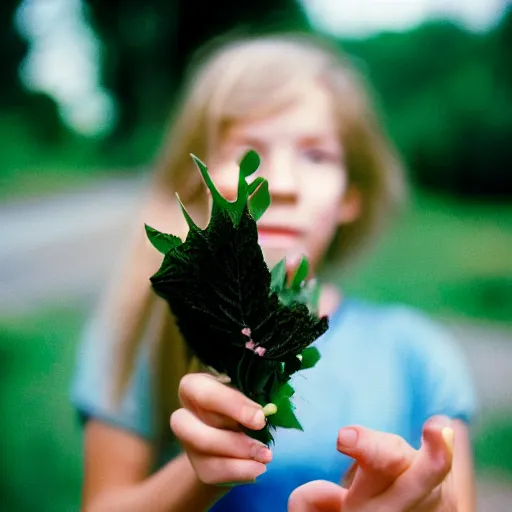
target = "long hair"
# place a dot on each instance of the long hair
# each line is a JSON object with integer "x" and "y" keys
{"x": 228, "y": 82}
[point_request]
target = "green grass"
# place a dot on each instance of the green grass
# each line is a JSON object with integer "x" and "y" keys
{"x": 32, "y": 167}
{"x": 41, "y": 439}
{"x": 493, "y": 444}
{"x": 446, "y": 257}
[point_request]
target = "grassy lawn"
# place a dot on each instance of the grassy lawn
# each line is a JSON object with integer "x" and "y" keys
{"x": 41, "y": 440}
{"x": 493, "y": 446}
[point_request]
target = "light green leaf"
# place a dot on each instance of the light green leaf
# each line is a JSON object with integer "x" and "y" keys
{"x": 301, "y": 273}
{"x": 250, "y": 163}
{"x": 254, "y": 185}
{"x": 190, "y": 222}
{"x": 259, "y": 201}
{"x": 162, "y": 242}
{"x": 285, "y": 416}
{"x": 278, "y": 274}
{"x": 310, "y": 356}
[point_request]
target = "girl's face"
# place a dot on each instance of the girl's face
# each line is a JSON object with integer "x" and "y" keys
{"x": 302, "y": 158}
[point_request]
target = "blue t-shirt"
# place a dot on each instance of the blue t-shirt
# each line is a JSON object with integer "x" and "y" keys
{"x": 384, "y": 367}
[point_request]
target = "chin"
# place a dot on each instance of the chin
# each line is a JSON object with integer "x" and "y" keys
{"x": 274, "y": 255}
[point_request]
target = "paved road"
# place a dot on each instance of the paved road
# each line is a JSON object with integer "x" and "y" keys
{"x": 64, "y": 248}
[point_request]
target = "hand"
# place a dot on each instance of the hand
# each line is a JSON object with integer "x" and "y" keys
{"x": 208, "y": 426}
{"x": 389, "y": 475}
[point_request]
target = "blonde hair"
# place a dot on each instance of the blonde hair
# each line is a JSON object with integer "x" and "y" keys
{"x": 231, "y": 81}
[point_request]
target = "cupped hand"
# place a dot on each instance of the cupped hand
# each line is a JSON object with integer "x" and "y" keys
{"x": 209, "y": 428}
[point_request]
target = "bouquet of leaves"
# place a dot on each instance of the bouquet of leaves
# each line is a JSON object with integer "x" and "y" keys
{"x": 237, "y": 316}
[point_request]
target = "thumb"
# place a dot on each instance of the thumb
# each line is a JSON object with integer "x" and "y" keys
{"x": 317, "y": 496}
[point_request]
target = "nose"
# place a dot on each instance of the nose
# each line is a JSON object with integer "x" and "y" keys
{"x": 282, "y": 177}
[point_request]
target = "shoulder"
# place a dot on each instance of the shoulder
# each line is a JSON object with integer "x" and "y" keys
{"x": 92, "y": 381}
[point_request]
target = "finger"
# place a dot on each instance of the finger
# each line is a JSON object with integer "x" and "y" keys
{"x": 316, "y": 496}
{"x": 208, "y": 440}
{"x": 203, "y": 392}
{"x": 429, "y": 468}
{"x": 226, "y": 471}
{"x": 381, "y": 458}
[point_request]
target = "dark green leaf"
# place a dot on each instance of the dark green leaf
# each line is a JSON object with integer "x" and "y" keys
{"x": 162, "y": 242}
{"x": 219, "y": 289}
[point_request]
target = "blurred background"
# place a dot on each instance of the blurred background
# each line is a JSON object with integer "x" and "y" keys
{"x": 85, "y": 91}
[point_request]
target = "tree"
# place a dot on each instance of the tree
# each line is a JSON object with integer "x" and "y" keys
{"x": 147, "y": 45}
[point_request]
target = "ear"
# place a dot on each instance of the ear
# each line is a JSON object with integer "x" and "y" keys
{"x": 351, "y": 206}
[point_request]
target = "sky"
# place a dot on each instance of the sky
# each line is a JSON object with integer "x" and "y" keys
{"x": 355, "y": 18}
{"x": 63, "y": 60}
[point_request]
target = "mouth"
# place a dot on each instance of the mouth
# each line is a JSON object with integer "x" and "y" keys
{"x": 277, "y": 235}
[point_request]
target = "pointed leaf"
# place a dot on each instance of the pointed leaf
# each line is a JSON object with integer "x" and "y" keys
{"x": 314, "y": 298}
{"x": 282, "y": 392}
{"x": 254, "y": 185}
{"x": 190, "y": 222}
{"x": 285, "y": 416}
{"x": 259, "y": 201}
{"x": 301, "y": 273}
{"x": 162, "y": 242}
{"x": 278, "y": 274}
{"x": 234, "y": 209}
{"x": 250, "y": 163}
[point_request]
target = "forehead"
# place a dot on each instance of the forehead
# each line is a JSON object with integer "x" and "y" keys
{"x": 310, "y": 114}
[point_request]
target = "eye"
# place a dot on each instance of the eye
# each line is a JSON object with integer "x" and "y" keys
{"x": 320, "y": 156}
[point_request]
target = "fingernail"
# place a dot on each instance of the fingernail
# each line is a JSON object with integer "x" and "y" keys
{"x": 258, "y": 420}
{"x": 448, "y": 437}
{"x": 269, "y": 409}
{"x": 261, "y": 454}
{"x": 347, "y": 437}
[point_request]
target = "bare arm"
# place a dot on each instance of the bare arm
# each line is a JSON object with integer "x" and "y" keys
{"x": 118, "y": 464}
{"x": 117, "y": 476}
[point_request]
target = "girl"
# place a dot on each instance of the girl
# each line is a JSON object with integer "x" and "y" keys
{"x": 333, "y": 179}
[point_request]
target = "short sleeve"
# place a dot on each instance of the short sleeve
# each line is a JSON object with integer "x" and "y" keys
{"x": 91, "y": 385}
{"x": 438, "y": 371}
